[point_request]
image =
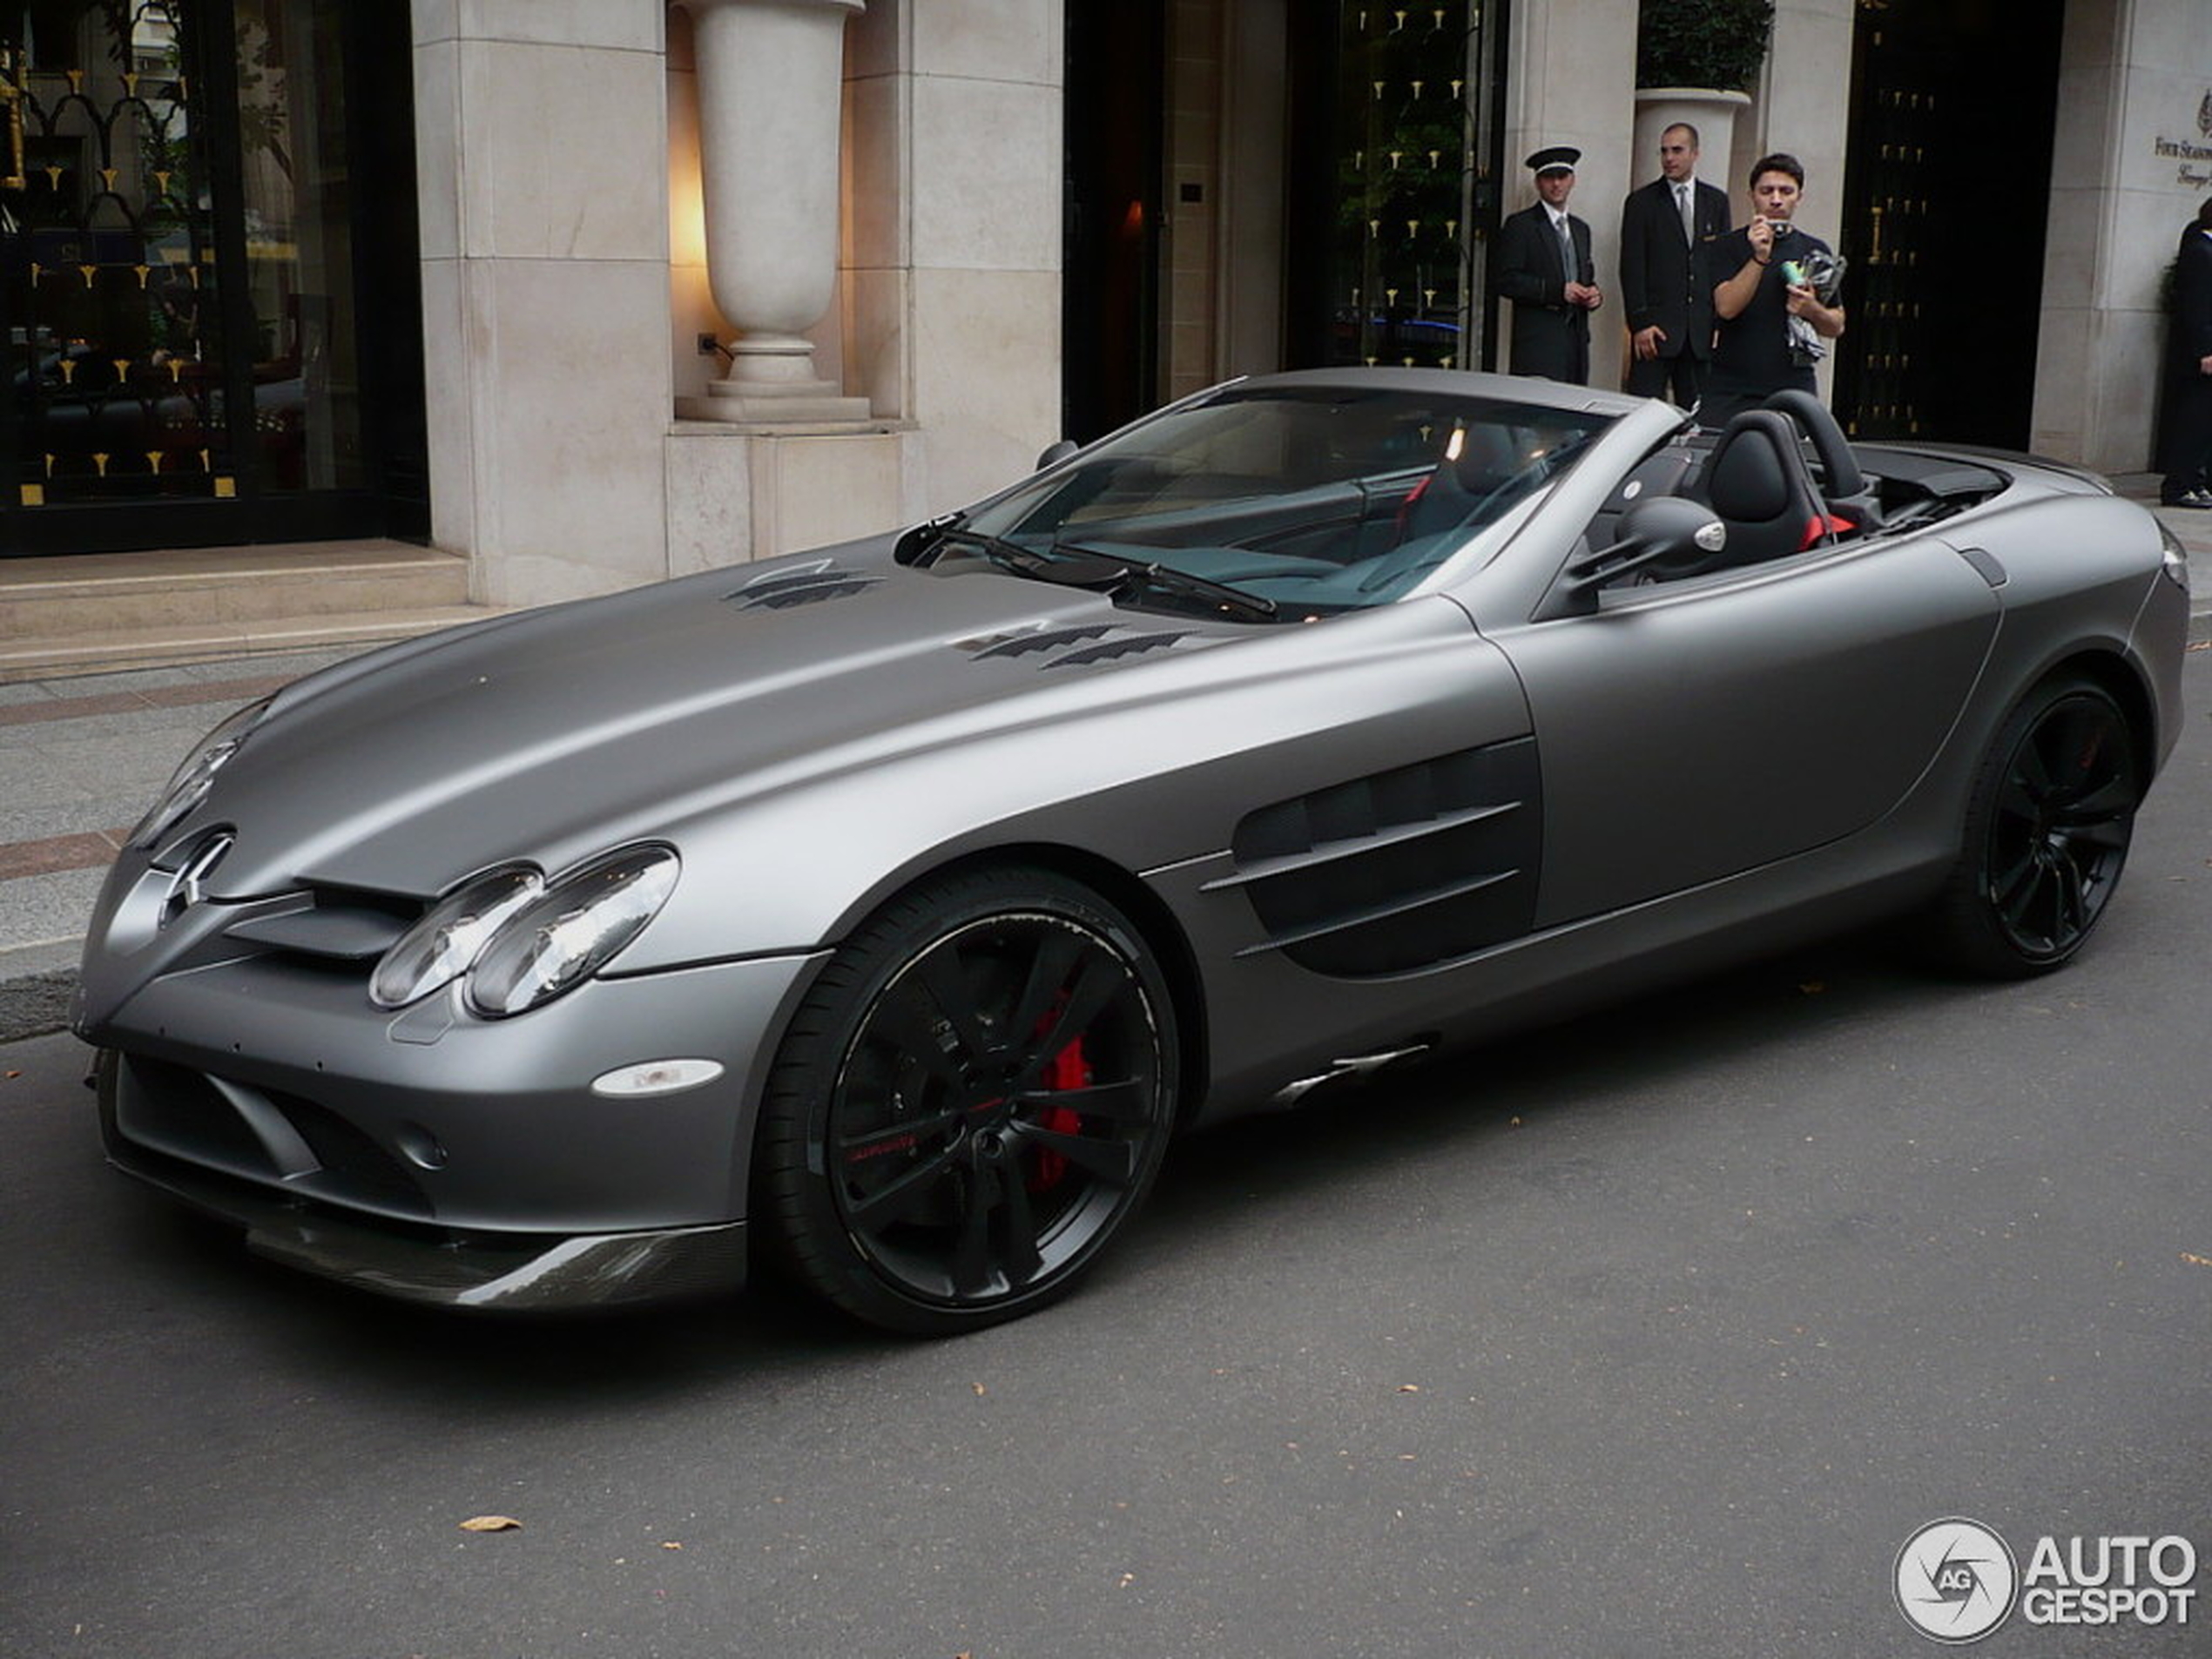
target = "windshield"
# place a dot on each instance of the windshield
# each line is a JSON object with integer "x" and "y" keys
{"x": 1306, "y": 500}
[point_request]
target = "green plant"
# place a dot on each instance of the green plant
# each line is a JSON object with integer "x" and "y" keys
{"x": 1702, "y": 43}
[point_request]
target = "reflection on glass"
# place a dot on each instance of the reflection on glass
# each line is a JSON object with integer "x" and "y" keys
{"x": 1403, "y": 92}
{"x": 107, "y": 262}
{"x": 299, "y": 245}
{"x": 1306, "y": 500}
{"x": 119, "y": 246}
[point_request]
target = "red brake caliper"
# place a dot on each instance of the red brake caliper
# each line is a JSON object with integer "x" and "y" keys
{"x": 1068, "y": 1070}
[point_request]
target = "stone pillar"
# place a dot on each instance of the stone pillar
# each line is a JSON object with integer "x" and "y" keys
{"x": 2125, "y": 175}
{"x": 770, "y": 81}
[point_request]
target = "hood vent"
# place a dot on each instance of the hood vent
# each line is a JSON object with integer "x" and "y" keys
{"x": 1078, "y": 647}
{"x": 807, "y": 585}
{"x": 1107, "y": 651}
{"x": 1029, "y": 641}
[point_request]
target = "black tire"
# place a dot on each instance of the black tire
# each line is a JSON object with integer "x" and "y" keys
{"x": 2047, "y": 834}
{"x": 970, "y": 1103}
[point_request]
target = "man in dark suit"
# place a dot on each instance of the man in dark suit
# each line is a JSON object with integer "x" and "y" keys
{"x": 1543, "y": 266}
{"x": 2185, "y": 434}
{"x": 1664, "y": 228}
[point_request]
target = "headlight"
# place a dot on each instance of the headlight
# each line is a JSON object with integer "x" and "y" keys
{"x": 192, "y": 781}
{"x": 2175, "y": 557}
{"x": 571, "y": 931}
{"x": 438, "y": 949}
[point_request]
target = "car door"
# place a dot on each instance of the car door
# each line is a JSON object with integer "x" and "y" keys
{"x": 1691, "y": 729}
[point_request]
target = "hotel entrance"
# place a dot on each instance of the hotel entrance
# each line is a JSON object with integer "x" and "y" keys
{"x": 209, "y": 285}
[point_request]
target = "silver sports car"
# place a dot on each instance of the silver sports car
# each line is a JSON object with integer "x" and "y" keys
{"x": 884, "y": 912}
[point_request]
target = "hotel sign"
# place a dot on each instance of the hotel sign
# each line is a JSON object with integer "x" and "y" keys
{"x": 2192, "y": 157}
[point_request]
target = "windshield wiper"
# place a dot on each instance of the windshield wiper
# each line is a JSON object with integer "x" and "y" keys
{"x": 1073, "y": 565}
{"x": 1165, "y": 579}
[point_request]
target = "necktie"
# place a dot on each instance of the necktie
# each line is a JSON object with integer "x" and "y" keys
{"x": 1689, "y": 218}
{"x": 1565, "y": 249}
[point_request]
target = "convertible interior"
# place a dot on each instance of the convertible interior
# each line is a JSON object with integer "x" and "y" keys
{"x": 1784, "y": 480}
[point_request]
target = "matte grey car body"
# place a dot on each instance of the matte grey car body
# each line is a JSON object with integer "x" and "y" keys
{"x": 1538, "y": 758}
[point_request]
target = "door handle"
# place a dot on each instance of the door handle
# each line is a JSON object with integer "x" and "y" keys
{"x": 12, "y": 173}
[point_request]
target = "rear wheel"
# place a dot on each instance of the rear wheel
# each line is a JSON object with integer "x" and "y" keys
{"x": 972, "y": 1101}
{"x": 2047, "y": 834}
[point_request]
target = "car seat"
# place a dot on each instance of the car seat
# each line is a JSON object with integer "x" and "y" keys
{"x": 1757, "y": 483}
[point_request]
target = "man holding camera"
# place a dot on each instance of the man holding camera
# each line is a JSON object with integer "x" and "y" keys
{"x": 1775, "y": 290}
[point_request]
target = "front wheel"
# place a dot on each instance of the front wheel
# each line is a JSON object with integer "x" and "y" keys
{"x": 2047, "y": 834}
{"x": 971, "y": 1102}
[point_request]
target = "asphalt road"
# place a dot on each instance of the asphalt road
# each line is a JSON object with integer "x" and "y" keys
{"x": 1656, "y": 1333}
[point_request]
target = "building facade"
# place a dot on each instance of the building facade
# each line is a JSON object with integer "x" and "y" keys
{"x": 229, "y": 224}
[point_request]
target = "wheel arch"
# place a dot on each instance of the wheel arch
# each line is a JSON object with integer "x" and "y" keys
{"x": 2120, "y": 678}
{"x": 1162, "y": 933}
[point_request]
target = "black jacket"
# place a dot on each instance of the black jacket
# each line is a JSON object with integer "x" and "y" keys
{"x": 2189, "y": 341}
{"x": 1550, "y": 337}
{"x": 1663, "y": 279}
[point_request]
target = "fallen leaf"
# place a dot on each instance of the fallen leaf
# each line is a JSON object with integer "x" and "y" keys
{"x": 981, "y": 1390}
{"x": 672, "y": 1544}
{"x": 1409, "y": 1388}
{"x": 2195, "y": 1260}
{"x": 491, "y": 1523}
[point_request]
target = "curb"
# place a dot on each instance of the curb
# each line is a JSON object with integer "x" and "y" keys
{"x": 35, "y": 1005}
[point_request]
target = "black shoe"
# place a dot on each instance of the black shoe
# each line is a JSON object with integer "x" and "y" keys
{"x": 2189, "y": 498}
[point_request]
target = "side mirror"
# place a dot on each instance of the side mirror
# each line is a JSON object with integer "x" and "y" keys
{"x": 1665, "y": 534}
{"x": 1055, "y": 453}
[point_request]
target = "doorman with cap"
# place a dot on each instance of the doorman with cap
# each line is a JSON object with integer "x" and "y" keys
{"x": 1543, "y": 266}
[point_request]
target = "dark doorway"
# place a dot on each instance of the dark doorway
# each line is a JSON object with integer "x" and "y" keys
{"x": 1944, "y": 286}
{"x": 210, "y": 285}
{"x": 1110, "y": 298}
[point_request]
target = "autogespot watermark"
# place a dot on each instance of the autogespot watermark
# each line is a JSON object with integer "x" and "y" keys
{"x": 1956, "y": 1581}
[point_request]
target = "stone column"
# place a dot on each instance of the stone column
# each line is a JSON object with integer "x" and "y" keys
{"x": 770, "y": 80}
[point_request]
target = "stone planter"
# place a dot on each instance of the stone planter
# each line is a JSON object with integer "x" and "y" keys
{"x": 771, "y": 79}
{"x": 1713, "y": 113}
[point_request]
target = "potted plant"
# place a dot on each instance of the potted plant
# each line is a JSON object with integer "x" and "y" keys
{"x": 1696, "y": 63}
{"x": 1714, "y": 45}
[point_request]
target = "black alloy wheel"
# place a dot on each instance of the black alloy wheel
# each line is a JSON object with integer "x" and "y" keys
{"x": 971, "y": 1102}
{"x": 2047, "y": 835}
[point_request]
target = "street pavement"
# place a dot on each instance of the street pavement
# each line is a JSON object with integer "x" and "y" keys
{"x": 82, "y": 758}
{"x": 1656, "y": 1333}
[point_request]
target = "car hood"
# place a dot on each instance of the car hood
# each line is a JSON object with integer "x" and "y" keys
{"x": 553, "y": 734}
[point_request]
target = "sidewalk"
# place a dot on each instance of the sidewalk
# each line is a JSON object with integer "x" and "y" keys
{"x": 82, "y": 758}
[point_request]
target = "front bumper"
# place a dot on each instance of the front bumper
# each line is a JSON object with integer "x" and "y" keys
{"x": 484, "y": 1273}
{"x": 440, "y": 1158}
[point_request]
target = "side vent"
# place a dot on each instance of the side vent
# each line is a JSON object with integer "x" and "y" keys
{"x": 1398, "y": 871}
{"x": 807, "y": 585}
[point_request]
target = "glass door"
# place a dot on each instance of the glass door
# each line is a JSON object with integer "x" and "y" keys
{"x": 1393, "y": 159}
{"x": 191, "y": 258}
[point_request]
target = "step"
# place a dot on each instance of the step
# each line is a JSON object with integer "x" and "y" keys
{"x": 55, "y": 598}
{"x": 95, "y": 613}
{"x": 102, "y": 651}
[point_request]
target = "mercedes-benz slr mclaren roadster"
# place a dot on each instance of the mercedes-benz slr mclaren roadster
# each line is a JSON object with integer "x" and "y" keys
{"x": 883, "y": 914}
